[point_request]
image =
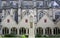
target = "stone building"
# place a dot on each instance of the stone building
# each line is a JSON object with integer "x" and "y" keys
{"x": 18, "y": 16}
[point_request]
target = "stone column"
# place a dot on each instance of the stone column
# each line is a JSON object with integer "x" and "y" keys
{"x": 52, "y": 32}
{"x": 32, "y": 27}
{"x": 18, "y": 31}
{"x": 19, "y": 14}
{"x": 3, "y": 12}
{"x": 11, "y": 13}
{"x": 26, "y": 31}
{"x": 43, "y": 31}
{"x": 0, "y": 31}
{"x": 9, "y": 30}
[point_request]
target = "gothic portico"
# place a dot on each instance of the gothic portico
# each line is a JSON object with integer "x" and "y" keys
{"x": 30, "y": 17}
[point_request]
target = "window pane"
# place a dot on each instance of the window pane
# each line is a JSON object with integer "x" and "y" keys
{"x": 16, "y": 16}
{"x": 57, "y": 15}
{"x": 39, "y": 4}
{"x": 40, "y": 14}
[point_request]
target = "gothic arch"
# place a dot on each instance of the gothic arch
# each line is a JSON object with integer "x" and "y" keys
{"x": 22, "y": 31}
{"x": 39, "y": 31}
{"x": 48, "y": 31}
{"x": 5, "y": 30}
{"x": 14, "y": 30}
{"x": 56, "y": 31}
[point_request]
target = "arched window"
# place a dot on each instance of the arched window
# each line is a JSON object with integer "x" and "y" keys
{"x": 56, "y": 30}
{"x": 57, "y": 15}
{"x": 41, "y": 14}
{"x": 16, "y": 16}
{"x": 39, "y": 31}
{"x": 14, "y": 30}
{"x": 22, "y": 31}
{"x": 5, "y": 30}
{"x": 48, "y": 31}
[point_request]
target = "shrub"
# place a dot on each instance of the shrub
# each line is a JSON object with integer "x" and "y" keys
{"x": 26, "y": 35}
{"x": 44, "y": 35}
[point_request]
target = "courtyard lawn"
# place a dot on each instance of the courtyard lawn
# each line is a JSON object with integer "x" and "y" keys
{"x": 27, "y": 37}
{"x": 13, "y": 37}
{"x": 47, "y": 37}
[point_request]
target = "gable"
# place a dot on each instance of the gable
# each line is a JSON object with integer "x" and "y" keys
{"x": 24, "y": 22}
{"x": 8, "y": 21}
{"x": 45, "y": 22}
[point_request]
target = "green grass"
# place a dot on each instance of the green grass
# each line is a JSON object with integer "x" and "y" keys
{"x": 12, "y": 37}
{"x": 47, "y": 37}
{"x": 36, "y": 37}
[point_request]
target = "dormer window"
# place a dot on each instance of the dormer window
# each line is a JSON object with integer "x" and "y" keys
{"x": 54, "y": 4}
{"x": 39, "y": 4}
{"x": 27, "y": 4}
{"x": 14, "y": 3}
{"x": 4, "y": 4}
{"x": 41, "y": 14}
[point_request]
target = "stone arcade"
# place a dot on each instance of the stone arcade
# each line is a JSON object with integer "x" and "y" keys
{"x": 30, "y": 17}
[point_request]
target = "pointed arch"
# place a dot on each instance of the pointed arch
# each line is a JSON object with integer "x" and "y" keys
{"x": 5, "y": 30}
{"x": 56, "y": 31}
{"x": 14, "y": 30}
{"x": 48, "y": 31}
{"x": 22, "y": 31}
{"x": 39, "y": 31}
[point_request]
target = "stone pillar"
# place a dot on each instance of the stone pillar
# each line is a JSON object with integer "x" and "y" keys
{"x": 52, "y": 32}
{"x": 9, "y": 30}
{"x": 27, "y": 31}
{"x": 3, "y": 14}
{"x": 18, "y": 31}
{"x": 32, "y": 27}
{"x": 19, "y": 3}
{"x": 43, "y": 31}
{"x": 0, "y": 31}
{"x": 11, "y": 13}
{"x": 54, "y": 10}
{"x": 19, "y": 14}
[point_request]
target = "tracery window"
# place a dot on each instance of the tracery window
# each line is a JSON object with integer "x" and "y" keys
{"x": 39, "y": 4}
{"x": 40, "y": 14}
{"x": 57, "y": 15}
{"x": 54, "y": 4}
